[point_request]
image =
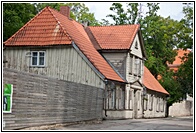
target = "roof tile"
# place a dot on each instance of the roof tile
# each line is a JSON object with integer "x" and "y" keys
{"x": 50, "y": 27}
{"x": 151, "y": 83}
{"x": 180, "y": 54}
{"x": 42, "y": 30}
{"x": 114, "y": 37}
{"x": 80, "y": 37}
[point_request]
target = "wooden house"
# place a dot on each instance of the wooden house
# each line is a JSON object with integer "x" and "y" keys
{"x": 108, "y": 57}
{"x": 54, "y": 52}
{"x": 53, "y": 44}
{"x": 123, "y": 47}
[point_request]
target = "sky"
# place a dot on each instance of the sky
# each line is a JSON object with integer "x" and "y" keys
{"x": 101, "y": 9}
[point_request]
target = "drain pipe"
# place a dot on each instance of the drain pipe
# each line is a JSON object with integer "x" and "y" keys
{"x": 105, "y": 97}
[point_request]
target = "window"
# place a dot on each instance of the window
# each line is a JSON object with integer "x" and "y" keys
{"x": 130, "y": 99}
{"x": 38, "y": 58}
{"x": 137, "y": 67}
{"x": 150, "y": 103}
{"x": 136, "y": 45}
{"x": 145, "y": 102}
{"x": 131, "y": 64}
{"x": 161, "y": 104}
{"x": 157, "y": 104}
{"x": 140, "y": 68}
{"x": 122, "y": 103}
{"x": 139, "y": 100}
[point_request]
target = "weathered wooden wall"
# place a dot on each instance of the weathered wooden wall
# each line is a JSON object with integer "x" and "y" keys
{"x": 39, "y": 100}
{"x": 118, "y": 60}
{"x": 62, "y": 62}
{"x": 154, "y": 105}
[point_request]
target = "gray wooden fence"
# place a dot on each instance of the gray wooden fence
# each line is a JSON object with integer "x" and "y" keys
{"x": 39, "y": 100}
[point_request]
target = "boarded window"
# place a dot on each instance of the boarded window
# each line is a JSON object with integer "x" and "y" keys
{"x": 150, "y": 103}
{"x": 145, "y": 102}
{"x": 157, "y": 105}
{"x": 163, "y": 106}
{"x": 130, "y": 99}
{"x": 122, "y": 101}
{"x": 139, "y": 100}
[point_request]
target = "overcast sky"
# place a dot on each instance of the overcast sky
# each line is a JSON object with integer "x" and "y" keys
{"x": 101, "y": 9}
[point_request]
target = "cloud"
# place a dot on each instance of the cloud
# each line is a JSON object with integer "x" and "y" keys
{"x": 101, "y": 9}
{"x": 172, "y": 9}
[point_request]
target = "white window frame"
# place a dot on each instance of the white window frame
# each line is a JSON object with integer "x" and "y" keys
{"x": 137, "y": 66}
{"x": 38, "y": 57}
{"x": 131, "y": 64}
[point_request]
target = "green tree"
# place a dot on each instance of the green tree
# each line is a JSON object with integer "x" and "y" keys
{"x": 185, "y": 75}
{"x": 185, "y": 72}
{"x": 161, "y": 35}
{"x": 186, "y": 32}
{"x": 15, "y": 15}
{"x": 172, "y": 86}
{"x": 121, "y": 16}
{"x": 78, "y": 11}
{"x": 82, "y": 14}
{"x": 40, "y": 6}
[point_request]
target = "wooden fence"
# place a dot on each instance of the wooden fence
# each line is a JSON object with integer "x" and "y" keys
{"x": 40, "y": 100}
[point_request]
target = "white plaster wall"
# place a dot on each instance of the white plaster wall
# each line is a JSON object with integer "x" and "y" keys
{"x": 118, "y": 114}
{"x": 183, "y": 108}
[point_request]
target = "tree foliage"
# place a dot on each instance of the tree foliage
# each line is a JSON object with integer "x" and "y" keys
{"x": 161, "y": 36}
{"x": 121, "y": 16}
{"x": 15, "y": 15}
{"x": 82, "y": 14}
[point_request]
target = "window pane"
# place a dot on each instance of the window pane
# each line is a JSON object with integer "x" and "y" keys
{"x": 41, "y": 54}
{"x": 34, "y": 60}
{"x": 131, "y": 61}
{"x": 34, "y": 54}
{"x": 41, "y": 60}
{"x": 139, "y": 69}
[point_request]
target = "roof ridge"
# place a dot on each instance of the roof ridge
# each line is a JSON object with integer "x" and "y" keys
{"x": 114, "y": 25}
{"x": 26, "y": 24}
{"x": 90, "y": 32}
{"x": 64, "y": 31}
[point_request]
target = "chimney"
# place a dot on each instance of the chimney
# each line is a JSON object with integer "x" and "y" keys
{"x": 65, "y": 10}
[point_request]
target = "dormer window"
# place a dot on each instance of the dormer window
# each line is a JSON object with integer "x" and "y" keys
{"x": 136, "y": 45}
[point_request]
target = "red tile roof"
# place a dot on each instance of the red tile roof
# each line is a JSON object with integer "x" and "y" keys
{"x": 178, "y": 61}
{"x": 42, "y": 30}
{"x": 114, "y": 37}
{"x": 151, "y": 83}
{"x": 68, "y": 30}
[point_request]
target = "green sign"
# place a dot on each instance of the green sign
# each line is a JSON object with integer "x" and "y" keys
{"x": 7, "y": 98}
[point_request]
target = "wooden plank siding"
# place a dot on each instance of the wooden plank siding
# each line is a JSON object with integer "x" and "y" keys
{"x": 61, "y": 62}
{"x": 41, "y": 100}
{"x": 118, "y": 60}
